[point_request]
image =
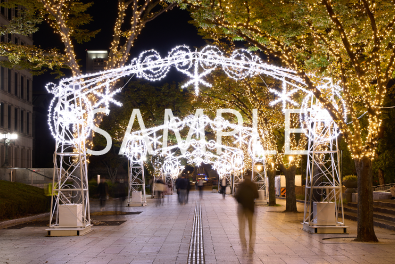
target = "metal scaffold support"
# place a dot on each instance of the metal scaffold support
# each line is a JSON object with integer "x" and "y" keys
{"x": 136, "y": 193}
{"x": 259, "y": 174}
{"x": 323, "y": 207}
{"x": 70, "y": 212}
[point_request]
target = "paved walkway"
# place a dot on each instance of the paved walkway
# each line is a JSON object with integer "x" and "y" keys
{"x": 162, "y": 235}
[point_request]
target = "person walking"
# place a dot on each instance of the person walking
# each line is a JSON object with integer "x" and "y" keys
{"x": 159, "y": 189}
{"x": 103, "y": 190}
{"x": 178, "y": 183}
{"x": 246, "y": 193}
{"x": 188, "y": 184}
{"x": 223, "y": 186}
{"x": 183, "y": 189}
{"x": 200, "y": 186}
{"x": 120, "y": 193}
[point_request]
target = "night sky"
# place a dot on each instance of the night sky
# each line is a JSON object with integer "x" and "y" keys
{"x": 162, "y": 34}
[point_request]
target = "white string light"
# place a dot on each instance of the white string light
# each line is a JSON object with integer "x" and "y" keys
{"x": 71, "y": 111}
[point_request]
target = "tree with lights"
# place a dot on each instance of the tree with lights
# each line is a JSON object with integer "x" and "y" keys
{"x": 350, "y": 41}
{"x": 67, "y": 18}
{"x": 25, "y": 22}
{"x": 245, "y": 96}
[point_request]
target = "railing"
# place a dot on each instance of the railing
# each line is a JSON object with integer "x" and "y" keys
{"x": 383, "y": 187}
{"x": 33, "y": 176}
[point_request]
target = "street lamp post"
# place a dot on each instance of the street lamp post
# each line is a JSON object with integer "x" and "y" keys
{"x": 259, "y": 178}
{"x": 7, "y": 140}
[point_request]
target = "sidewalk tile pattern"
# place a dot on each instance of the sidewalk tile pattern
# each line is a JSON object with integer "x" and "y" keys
{"x": 162, "y": 235}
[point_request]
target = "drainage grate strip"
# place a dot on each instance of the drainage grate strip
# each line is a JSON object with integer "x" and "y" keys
{"x": 196, "y": 249}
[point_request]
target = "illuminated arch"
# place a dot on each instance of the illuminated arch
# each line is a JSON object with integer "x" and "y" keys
{"x": 71, "y": 111}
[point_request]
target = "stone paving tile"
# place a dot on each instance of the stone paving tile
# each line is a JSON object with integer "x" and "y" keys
{"x": 280, "y": 238}
{"x": 162, "y": 235}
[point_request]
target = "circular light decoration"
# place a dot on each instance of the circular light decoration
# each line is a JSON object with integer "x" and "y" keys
{"x": 238, "y": 160}
{"x": 68, "y": 117}
{"x": 240, "y": 65}
{"x": 209, "y": 57}
{"x": 315, "y": 119}
{"x": 136, "y": 148}
{"x": 181, "y": 57}
{"x": 148, "y": 65}
{"x": 223, "y": 166}
{"x": 255, "y": 149}
{"x": 211, "y": 144}
{"x": 176, "y": 124}
{"x": 171, "y": 166}
{"x": 219, "y": 124}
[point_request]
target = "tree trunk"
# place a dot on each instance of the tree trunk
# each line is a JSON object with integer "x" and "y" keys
{"x": 290, "y": 196}
{"x": 365, "y": 229}
{"x": 112, "y": 173}
{"x": 271, "y": 174}
{"x": 381, "y": 177}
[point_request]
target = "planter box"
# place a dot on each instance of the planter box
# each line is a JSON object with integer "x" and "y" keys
{"x": 70, "y": 215}
{"x": 376, "y": 196}
{"x": 355, "y": 197}
{"x": 381, "y": 195}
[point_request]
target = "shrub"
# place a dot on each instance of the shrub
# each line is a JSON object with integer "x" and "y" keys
{"x": 350, "y": 181}
{"x": 18, "y": 200}
{"x": 92, "y": 185}
{"x": 300, "y": 197}
{"x": 93, "y": 189}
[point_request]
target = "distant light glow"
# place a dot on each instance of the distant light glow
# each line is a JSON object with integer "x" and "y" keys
{"x": 8, "y": 136}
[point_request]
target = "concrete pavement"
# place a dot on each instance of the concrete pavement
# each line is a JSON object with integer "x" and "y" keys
{"x": 162, "y": 235}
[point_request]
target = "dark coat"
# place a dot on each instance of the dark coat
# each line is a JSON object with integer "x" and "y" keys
{"x": 246, "y": 193}
{"x": 121, "y": 190}
{"x": 103, "y": 190}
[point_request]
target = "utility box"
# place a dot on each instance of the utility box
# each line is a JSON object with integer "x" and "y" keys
{"x": 137, "y": 197}
{"x": 70, "y": 215}
{"x": 280, "y": 182}
{"x": 324, "y": 213}
{"x": 262, "y": 194}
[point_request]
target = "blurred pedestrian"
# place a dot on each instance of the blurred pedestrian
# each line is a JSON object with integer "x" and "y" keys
{"x": 159, "y": 189}
{"x": 200, "y": 186}
{"x": 151, "y": 186}
{"x": 120, "y": 195}
{"x": 169, "y": 190}
{"x": 188, "y": 184}
{"x": 177, "y": 183}
{"x": 223, "y": 186}
{"x": 103, "y": 191}
{"x": 183, "y": 190}
{"x": 246, "y": 193}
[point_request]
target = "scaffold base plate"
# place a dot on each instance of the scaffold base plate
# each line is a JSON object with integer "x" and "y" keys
{"x": 68, "y": 231}
{"x": 136, "y": 204}
{"x": 325, "y": 229}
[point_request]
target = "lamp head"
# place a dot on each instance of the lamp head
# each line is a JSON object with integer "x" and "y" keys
{"x": 9, "y": 136}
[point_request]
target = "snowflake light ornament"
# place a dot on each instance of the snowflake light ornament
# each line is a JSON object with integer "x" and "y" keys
{"x": 107, "y": 97}
{"x": 284, "y": 96}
